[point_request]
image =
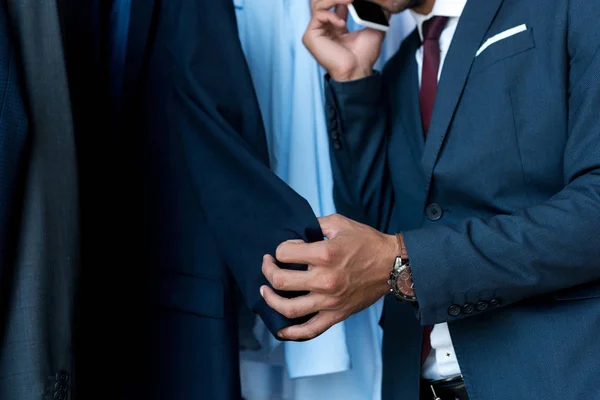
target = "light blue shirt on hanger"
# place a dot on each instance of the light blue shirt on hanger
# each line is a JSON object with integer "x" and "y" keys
{"x": 344, "y": 362}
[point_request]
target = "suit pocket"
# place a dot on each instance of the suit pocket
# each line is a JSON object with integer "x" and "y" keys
{"x": 191, "y": 294}
{"x": 581, "y": 292}
{"x": 503, "y": 49}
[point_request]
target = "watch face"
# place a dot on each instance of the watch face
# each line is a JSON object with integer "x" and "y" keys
{"x": 404, "y": 276}
{"x": 404, "y": 283}
{"x": 401, "y": 281}
{"x": 399, "y": 284}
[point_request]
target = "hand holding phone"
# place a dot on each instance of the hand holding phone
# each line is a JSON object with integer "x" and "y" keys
{"x": 345, "y": 55}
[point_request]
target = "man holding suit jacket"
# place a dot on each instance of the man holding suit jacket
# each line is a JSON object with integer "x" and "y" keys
{"x": 488, "y": 184}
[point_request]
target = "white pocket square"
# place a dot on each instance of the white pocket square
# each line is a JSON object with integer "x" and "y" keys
{"x": 501, "y": 36}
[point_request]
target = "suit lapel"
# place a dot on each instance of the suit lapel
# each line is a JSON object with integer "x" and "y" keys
{"x": 470, "y": 32}
{"x": 140, "y": 26}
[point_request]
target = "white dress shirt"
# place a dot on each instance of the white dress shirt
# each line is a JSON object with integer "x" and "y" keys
{"x": 442, "y": 362}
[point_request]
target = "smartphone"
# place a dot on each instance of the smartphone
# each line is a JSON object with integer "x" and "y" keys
{"x": 369, "y": 14}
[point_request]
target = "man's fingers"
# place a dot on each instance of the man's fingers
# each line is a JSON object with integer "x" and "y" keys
{"x": 324, "y": 5}
{"x": 317, "y": 253}
{"x": 285, "y": 279}
{"x": 311, "y": 329}
{"x": 296, "y": 307}
{"x": 321, "y": 18}
{"x": 342, "y": 11}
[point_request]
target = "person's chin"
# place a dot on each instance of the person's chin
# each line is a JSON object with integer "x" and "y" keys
{"x": 397, "y": 6}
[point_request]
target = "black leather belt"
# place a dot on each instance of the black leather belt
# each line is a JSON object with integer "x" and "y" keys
{"x": 446, "y": 389}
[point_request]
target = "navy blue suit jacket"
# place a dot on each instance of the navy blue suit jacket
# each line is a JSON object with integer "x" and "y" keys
{"x": 499, "y": 207}
{"x": 209, "y": 207}
{"x": 13, "y": 149}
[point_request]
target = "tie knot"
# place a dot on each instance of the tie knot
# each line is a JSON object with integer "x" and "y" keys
{"x": 433, "y": 27}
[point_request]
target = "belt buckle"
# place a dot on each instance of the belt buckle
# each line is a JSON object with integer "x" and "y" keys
{"x": 435, "y": 396}
{"x": 441, "y": 382}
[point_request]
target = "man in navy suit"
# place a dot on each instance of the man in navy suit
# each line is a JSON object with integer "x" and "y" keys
{"x": 488, "y": 184}
{"x": 197, "y": 204}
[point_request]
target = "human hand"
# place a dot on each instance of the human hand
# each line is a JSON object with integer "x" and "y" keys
{"x": 345, "y": 55}
{"x": 346, "y": 274}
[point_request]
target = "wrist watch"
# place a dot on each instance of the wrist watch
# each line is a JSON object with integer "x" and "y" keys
{"x": 401, "y": 283}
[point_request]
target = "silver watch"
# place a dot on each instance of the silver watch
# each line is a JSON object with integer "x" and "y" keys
{"x": 399, "y": 277}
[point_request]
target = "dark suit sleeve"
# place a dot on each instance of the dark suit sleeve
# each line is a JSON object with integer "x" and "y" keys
{"x": 358, "y": 128}
{"x": 250, "y": 210}
{"x": 538, "y": 250}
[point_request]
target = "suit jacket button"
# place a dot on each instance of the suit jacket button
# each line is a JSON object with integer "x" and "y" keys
{"x": 60, "y": 395}
{"x": 335, "y": 135}
{"x": 468, "y": 308}
{"x": 454, "y": 310}
{"x": 60, "y": 386}
{"x": 482, "y": 306}
{"x": 494, "y": 302}
{"x": 337, "y": 145}
{"x": 433, "y": 212}
{"x": 62, "y": 376}
{"x": 333, "y": 124}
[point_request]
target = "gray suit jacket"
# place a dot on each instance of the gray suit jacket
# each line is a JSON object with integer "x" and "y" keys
{"x": 35, "y": 352}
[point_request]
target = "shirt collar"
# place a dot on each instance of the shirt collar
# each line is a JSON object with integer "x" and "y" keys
{"x": 441, "y": 8}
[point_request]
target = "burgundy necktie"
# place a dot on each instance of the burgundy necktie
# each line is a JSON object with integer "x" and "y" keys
{"x": 432, "y": 29}
{"x": 426, "y": 348}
